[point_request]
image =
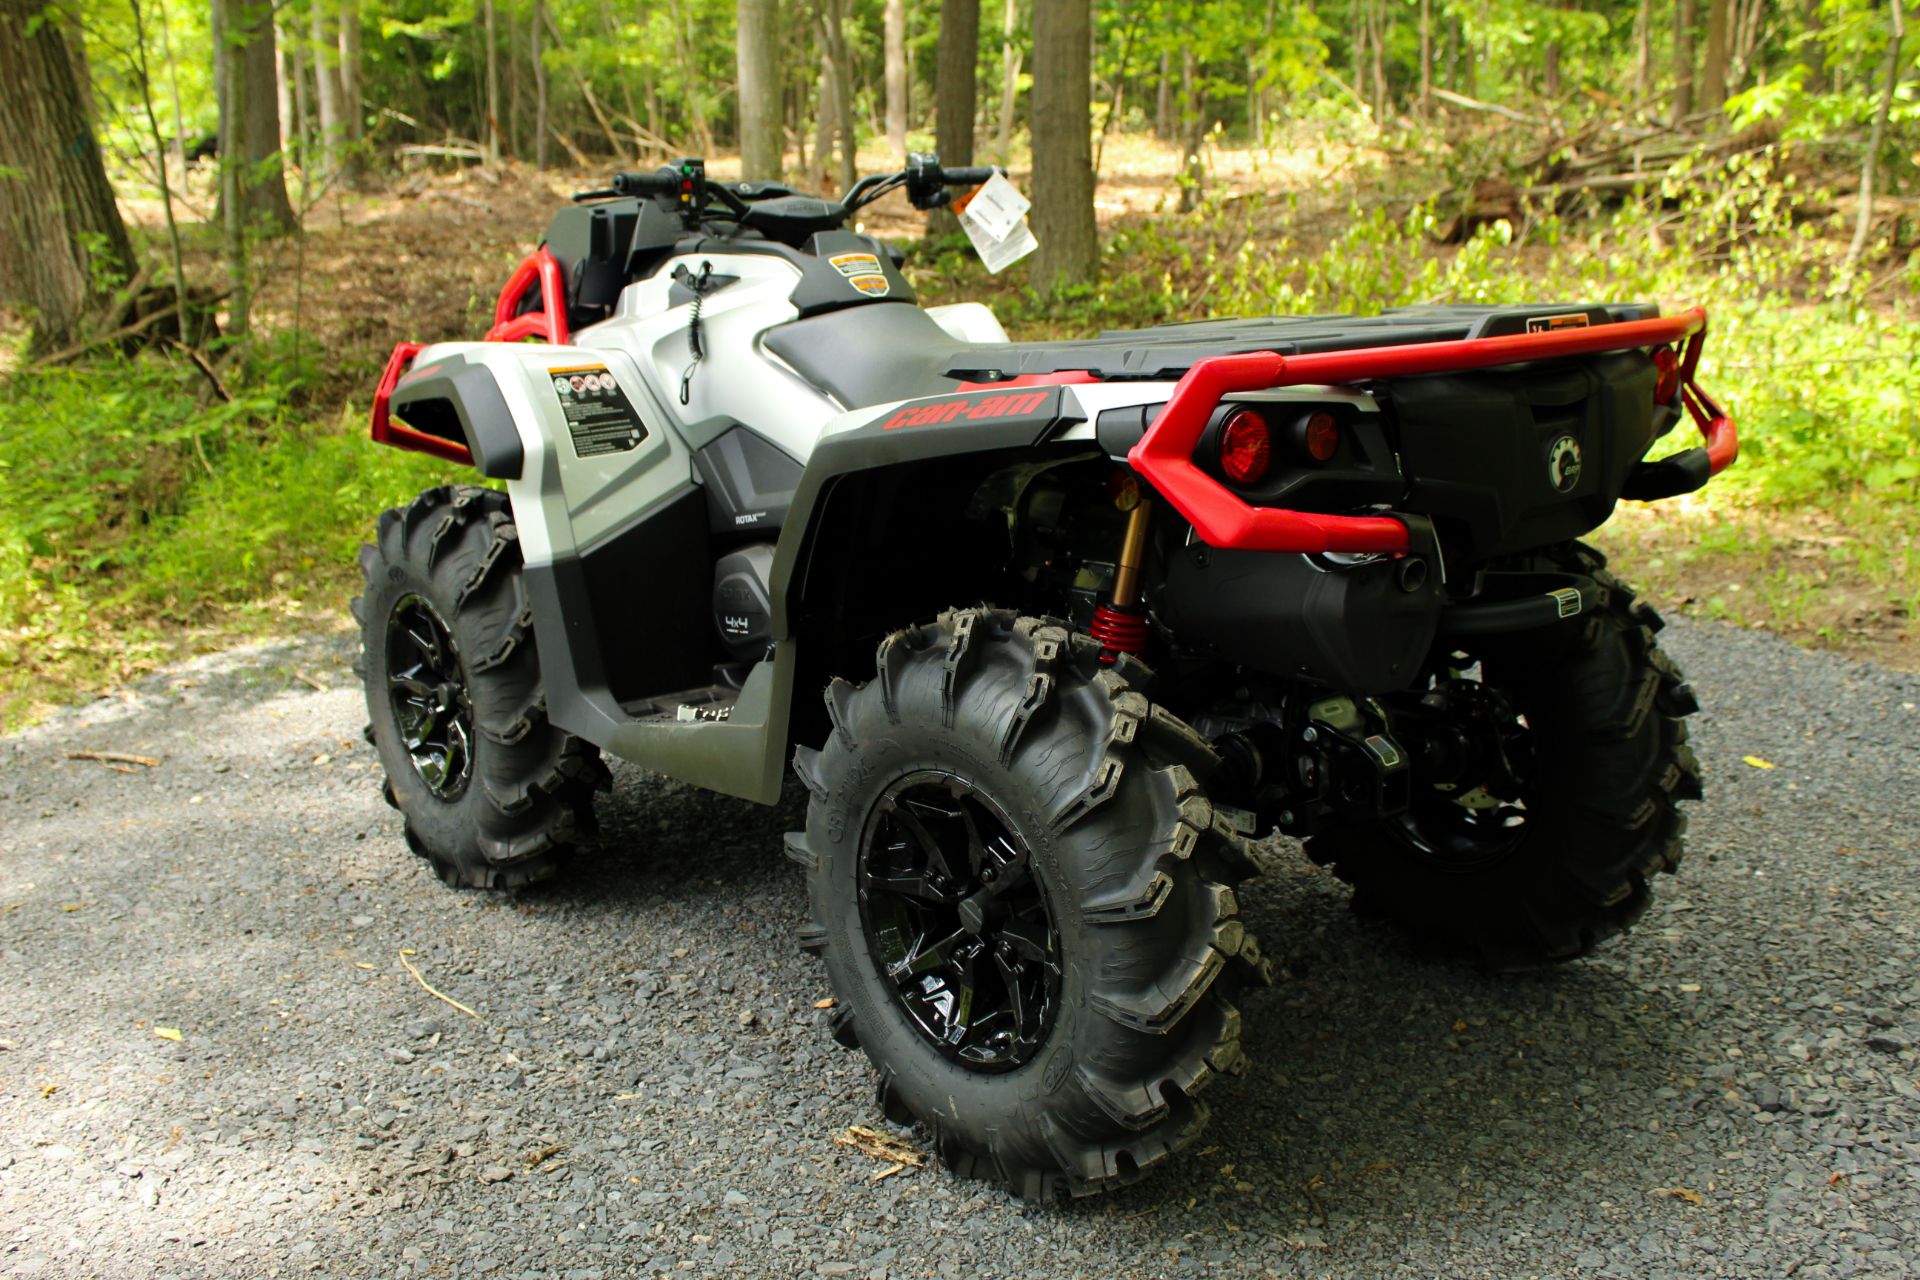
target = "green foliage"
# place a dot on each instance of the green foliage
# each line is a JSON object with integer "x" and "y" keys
{"x": 123, "y": 500}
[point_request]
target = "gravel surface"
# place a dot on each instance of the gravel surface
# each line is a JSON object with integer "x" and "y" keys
{"x": 213, "y": 1062}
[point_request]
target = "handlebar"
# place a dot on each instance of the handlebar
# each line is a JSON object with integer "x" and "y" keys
{"x": 925, "y": 180}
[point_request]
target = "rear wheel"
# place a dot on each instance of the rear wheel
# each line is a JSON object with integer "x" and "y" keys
{"x": 1023, "y": 899}
{"x": 491, "y": 792}
{"x": 1548, "y": 842}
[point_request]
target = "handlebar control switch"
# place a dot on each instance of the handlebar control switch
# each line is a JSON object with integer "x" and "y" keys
{"x": 926, "y": 183}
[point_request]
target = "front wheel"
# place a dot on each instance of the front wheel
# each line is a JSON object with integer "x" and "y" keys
{"x": 1023, "y": 899}
{"x": 1548, "y": 842}
{"x": 492, "y": 793}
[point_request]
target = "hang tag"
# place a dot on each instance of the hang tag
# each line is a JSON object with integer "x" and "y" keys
{"x": 995, "y": 220}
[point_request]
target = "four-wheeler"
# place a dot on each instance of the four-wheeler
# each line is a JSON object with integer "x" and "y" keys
{"x": 1051, "y": 632}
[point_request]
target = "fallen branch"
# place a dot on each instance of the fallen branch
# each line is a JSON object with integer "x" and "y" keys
{"x": 1474, "y": 104}
{"x": 114, "y": 757}
{"x": 436, "y": 994}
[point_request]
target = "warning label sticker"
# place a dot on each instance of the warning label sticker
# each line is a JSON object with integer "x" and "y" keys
{"x": 1548, "y": 324}
{"x": 600, "y": 418}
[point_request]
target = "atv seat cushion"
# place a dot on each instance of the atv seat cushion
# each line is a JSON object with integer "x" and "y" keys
{"x": 874, "y": 353}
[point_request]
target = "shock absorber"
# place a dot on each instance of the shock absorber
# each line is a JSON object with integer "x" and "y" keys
{"x": 1120, "y": 625}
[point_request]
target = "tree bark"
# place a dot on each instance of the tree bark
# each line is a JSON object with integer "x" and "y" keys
{"x": 1683, "y": 24}
{"x": 491, "y": 133}
{"x": 895, "y": 74}
{"x": 1877, "y": 137}
{"x": 1713, "y": 72}
{"x": 537, "y": 53}
{"x": 1009, "y": 81}
{"x": 1163, "y": 99}
{"x": 250, "y": 113}
{"x": 1643, "y": 51}
{"x": 1192, "y": 172}
{"x": 352, "y": 120}
{"x": 1061, "y": 106}
{"x": 326, "y": 79}
{"x": 62, "y": 242}
{"x": 757, "y": 56}
{"x": 955, "y": 92}
{"x": 1426, "y": 54}
{"x": 836, "y": 87}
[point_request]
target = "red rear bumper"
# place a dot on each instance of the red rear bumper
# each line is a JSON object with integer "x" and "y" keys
{"x": 1164, "y": 455}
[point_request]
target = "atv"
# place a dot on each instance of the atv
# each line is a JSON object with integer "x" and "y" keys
{"x": 1089, "y": 618}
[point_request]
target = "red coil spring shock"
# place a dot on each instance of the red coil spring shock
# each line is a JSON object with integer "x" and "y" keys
{"x": 1120, "y": 625}
{"x": 1118, "y": 631}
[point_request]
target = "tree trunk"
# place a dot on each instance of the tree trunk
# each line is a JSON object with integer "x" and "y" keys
{"x": 1163, "y": 99}
{"x": 491, "y": 132}
{"x": 249, "y": 113}
{"x": 896, "y": 76}
{"x": 352, "y": 120}
{"x": 537, "y": 53}
{"x": 1192, "y": 172}
{"x": 1683, "y": 23}
{"x": 61, "y": 236}
{"x": 173, "y": 95}
{"x": 1643, "y": 51}
{"x": 1876, "y": 138}
{"x": 836, "y": 92}
{"x": 1061, "y": 106}
{"x": 1009, "y": 81}
{"x": 955, "y": 100}
{"x": 1377, "y": 22}
{"x": 1426, "y": 54}
{"x": 326, "y": 78}
{"x": 757, "y": 58}
{"x": 235, "y": 173}
{"x": 1713, "y": 71}
{"x": 302, "y": 149}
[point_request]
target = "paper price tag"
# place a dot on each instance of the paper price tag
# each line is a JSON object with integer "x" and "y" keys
{"x": 995, "y": 220}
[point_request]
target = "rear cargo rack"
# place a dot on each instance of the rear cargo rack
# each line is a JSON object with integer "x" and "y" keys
{"x": 1164, "y": 455}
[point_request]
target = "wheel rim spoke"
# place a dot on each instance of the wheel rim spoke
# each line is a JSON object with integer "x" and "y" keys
{"x": 958, "y": 922}
{"x": 426, "y": 685}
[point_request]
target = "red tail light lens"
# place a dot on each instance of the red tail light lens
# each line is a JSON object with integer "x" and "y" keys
{"x": 1320, "y": 436}
{"x": 1246, "y": 447}
{"x": 1668, "y": 383}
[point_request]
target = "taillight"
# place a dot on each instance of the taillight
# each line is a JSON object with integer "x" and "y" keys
{"x": 1667, "y": 385}
{"x": 1246, "y": 447}
{"x": 1319, "y": 436}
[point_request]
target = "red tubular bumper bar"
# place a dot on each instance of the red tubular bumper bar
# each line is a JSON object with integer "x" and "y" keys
{"x": 550, "y": 322}
{"x": 1164, "y": 455}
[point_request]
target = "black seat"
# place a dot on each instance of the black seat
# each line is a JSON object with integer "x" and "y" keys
{"x": 873, "y": 353}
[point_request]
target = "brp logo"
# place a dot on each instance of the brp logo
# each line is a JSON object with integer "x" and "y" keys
{"x": 1563, "y": 463}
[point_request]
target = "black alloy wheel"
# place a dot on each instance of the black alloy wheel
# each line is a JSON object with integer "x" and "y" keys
{"x": 954, "y": 913}
{"x": 431, "y": 704}
{"x": 1479, "y": 813}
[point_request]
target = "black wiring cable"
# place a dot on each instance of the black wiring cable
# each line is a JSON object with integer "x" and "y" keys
{"x": 697, "y": 285}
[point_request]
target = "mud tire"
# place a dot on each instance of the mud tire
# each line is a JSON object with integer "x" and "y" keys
{"x": 531, "y": 787}
{"x": 1106, "y": 791}
{"x": 1606, "y": 708}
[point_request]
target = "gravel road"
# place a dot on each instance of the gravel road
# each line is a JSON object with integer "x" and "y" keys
{"x": 213, "y": 1061}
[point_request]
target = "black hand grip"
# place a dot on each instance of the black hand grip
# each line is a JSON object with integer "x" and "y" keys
{"x": 972, "y": 177}
{"x": 647, "y": 184}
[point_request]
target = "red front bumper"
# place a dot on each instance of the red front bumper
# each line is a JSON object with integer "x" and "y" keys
{"x": 1164, "y": 455}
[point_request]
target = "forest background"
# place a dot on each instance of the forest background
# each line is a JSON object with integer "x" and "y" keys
{"x": 216, "y": 219}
